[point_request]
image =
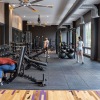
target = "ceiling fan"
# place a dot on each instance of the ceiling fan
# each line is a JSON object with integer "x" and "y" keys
{"x": 1, "y": 1}
{"x": 33, "y": 24}
{"x": 29, "y": 4}
{"x": 43, "y": 25}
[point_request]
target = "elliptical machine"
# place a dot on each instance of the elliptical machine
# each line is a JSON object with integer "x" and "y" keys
{"x": 66, "y": 52}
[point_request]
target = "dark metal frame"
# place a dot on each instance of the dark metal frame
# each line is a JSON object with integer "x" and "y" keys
{"x": 32, "y": 61}
{"x": 19, "y": 71}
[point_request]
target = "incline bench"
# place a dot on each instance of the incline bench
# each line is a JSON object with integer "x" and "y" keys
{"x": 19, "y": 71}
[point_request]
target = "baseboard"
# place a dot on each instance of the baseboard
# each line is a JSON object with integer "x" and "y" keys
{"x": 99, "y": 60}
{"x": 86, "y": 55}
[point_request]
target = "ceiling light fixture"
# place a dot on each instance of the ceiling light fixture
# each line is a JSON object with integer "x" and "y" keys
{"x": 82, "y": 20}
{"x": 62, "y": 27}
{"x": 24, "y": 16}
{"x": 24, "y": 5}
{"x": 39, "y": 21}
{"x": 13, "y": 5}
{"x": 38, "y": 4}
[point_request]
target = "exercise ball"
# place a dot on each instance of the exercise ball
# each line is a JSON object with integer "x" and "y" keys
{"x": 70, "y": 55}
{"x": 62, "y": 55}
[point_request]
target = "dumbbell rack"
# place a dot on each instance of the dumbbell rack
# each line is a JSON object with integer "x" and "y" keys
{"x": 4, "y": 50}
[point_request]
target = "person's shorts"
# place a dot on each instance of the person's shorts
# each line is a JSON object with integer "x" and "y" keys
{"x": 79, "y": 49}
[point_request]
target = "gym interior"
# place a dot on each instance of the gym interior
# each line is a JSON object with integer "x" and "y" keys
{"x": 52, "y": 74}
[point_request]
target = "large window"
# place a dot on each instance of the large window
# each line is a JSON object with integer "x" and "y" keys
{"x": 87, "y": 38}
{"x": 70, "y": 37}
{"x": 77, "y": 33}
{"x": 87, "y": 33}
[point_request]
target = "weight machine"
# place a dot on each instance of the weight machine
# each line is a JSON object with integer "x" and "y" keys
{"x": 28, "y": 41}
{"x": 19, "y": 71}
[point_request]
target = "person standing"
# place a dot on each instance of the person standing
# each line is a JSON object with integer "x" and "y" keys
{"x": 46, "y": 45}
{"x": 79, "y": 49}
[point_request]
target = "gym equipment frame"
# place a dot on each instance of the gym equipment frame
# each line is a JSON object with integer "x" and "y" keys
{"x": 31, "y": 61}
{"x": 19, "y": 71}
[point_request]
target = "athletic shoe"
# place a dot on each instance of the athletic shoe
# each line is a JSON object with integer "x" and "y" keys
{"x": 77, "y": 61}
{"x": 82, "y": 62}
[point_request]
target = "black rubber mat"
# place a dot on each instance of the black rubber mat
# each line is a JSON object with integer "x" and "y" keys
{"x": 62, "y": 74}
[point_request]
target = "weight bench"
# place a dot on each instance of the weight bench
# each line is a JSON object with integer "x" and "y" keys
{"x": 19, "y": 71}
{"x": 31, "y": 61}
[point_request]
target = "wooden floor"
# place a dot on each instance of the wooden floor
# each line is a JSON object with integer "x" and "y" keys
{"x": 48, "y": 95}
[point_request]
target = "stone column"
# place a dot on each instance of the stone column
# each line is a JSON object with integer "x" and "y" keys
{"x": 81, "y": 30}
{"x": 99, "y": 35}
{"x": 74, "y": 36}
{"x": 8, "y": 23}
{"x": 95, "y": 37}
{"x": 24, "y": 26}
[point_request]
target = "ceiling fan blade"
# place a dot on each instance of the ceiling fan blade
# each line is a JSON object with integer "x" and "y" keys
{"x": 35, "y": 1}
{"x": 14, "y": 3}
{"x": 25, "y": 1}
{"x": 3, "y": 1}
{"x": 38, "y": 5}
{"x": 18, "y": 7}
{"x": 31, "y": 8}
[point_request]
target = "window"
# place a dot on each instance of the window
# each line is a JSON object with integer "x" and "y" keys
{"x": 87, "y": 38}
{"x": 77, "y": 33}
{"x": 71, "y": 36}
{"x": 87, "y": 33}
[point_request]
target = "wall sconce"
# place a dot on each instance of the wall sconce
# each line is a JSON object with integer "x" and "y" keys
{"x": 82, "y": 20}
{"x": 62, "y": 27}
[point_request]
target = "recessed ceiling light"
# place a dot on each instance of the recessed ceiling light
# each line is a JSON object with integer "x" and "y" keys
{"x": 38, "y": 4}
{"x": 24, "y": 5}
{"x": 13, "y": 5}
{"x": 24, "y": 16}
{"x": 47, "y": 16}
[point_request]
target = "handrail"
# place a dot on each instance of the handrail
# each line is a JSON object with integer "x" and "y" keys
{"x": 87, "y": 47}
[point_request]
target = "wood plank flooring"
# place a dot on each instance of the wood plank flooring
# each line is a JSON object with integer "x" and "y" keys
{"x": 48, "y": 95}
